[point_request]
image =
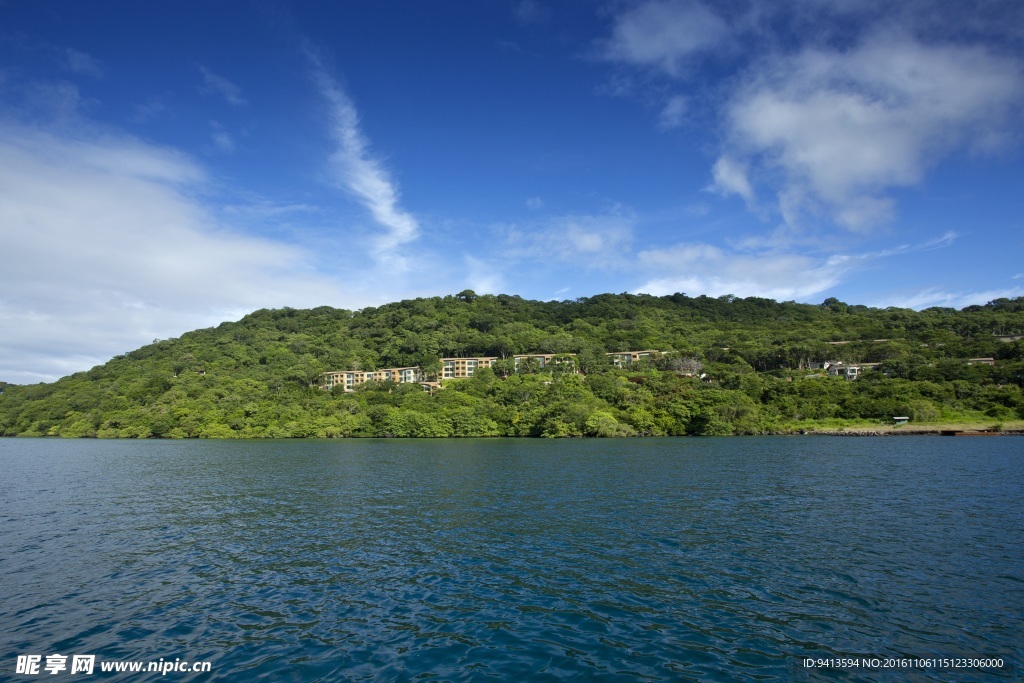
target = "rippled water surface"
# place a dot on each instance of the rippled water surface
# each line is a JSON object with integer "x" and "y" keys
{"x": 654, "y": 559}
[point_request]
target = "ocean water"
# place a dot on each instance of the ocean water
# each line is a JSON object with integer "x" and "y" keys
{"x": 606, "y": 560}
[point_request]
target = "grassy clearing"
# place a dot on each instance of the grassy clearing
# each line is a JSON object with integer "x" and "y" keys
{"x": 864, "y": 426}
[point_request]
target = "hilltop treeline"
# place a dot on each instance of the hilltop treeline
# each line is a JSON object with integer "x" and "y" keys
{"x": 731, "y": 366}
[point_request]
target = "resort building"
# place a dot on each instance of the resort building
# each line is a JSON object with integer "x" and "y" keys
{"x": 838, "y": 368}
{"x": 461, "y": 368}
{"x": 624, "y": 359}
{"x": 546, "y": 359}
{"x": 430, "y": 387}
{"x": 350, "y": 379}
{"x": 843, "y": 370}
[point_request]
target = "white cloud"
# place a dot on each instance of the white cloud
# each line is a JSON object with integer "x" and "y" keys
{"x": 845, "y": 126}
{"x": 535, "y": 203}
{"x": 730, "y": 177}
{"x": 531, "y": 13}
{"x": 359, "y": 173}
{"x": 53, "y": 101}
{"x": 82, "y": 63}
{"x": 701, "y": 268}
{"x": 946, "y": 239}
{"x": 149, "y": 110}
{"x": 759, "y": 267}
{"x": 483, "y": 277}
{"x": 928, "y": 298}
{"x": 673, "y": 114}
{"x": 664, "y": 34}
{"x": 865, "y": 98}
{"x": 262, "y": 209}
{"x": 213, "y": 83}
{"x": 586, "y": 240}
{"x": 106, "y": 248}
{"x": 221, "y": 139}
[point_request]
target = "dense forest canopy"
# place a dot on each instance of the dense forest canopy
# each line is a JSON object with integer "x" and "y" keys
{"x": 259, "y": 377}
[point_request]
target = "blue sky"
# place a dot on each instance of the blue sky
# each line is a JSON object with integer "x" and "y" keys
{"x": 168, "y": 166}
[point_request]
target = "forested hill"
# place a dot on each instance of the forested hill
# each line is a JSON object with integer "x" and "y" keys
{"x": 258, "y": 377}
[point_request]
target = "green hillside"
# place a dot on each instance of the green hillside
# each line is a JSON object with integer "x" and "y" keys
{"x": 258, "y": 377}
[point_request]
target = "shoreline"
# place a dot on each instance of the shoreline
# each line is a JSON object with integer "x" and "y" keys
{"x": 942, "y": 430}
{"x": 916, "y": 431}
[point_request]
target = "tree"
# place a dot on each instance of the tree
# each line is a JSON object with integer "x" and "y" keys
{"x": 259, "y": 374}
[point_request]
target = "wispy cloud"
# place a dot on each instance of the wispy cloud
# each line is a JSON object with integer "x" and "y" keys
{"x": 82, "y": 63}
{"x": 482, "y": 277}
{"x": 673, "y": 114}
{"x": 222, "y": 140}
{"x": 781, "y": 266}
{"x": 664, "y": 34}
{"x": 707, "y": 269}
{"x": 106, "y": 247}
{"x": 730, "y": 177}
{"x": 264, "y": 209}
{"x": 149, "y": 110}
{"x": 531, "y": 13}
{"x": 54, "y": 102}
{"x": 928, "y": 298}
{"x": 588, "y": 241}
{"x": 358, "y": 172}
{"x": 214, "y": 83}
{"x": 757, "y": 268}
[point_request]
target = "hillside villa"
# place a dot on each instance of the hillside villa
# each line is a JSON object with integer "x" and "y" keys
{"x": 463, "y": 368}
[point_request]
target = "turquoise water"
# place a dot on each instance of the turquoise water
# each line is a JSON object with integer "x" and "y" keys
{"x": 644, "y": 559}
